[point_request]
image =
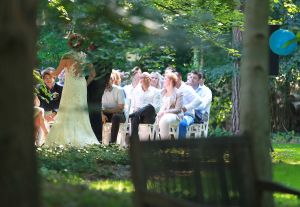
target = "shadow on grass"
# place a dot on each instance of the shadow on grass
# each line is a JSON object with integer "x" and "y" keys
{"x": 94, "y": 176}
{"x": 79, "y": 195}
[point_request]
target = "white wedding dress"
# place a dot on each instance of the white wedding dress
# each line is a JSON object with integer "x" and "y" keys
{"x": 72, "y": 124}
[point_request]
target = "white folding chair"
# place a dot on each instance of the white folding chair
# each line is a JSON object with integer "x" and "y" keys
{"x": 174, "y": 130}
{"x": 198, "y": 130}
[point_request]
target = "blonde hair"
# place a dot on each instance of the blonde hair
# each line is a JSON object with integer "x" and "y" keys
{"x": 159, "y": 78}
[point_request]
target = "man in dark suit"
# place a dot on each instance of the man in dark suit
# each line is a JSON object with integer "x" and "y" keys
{"x": 94, "y": 98}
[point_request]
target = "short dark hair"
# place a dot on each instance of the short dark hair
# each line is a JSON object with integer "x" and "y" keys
{"x": 197, "y": 74}
{"x": 202, "y": 75}
{"x": 135, "y": 69}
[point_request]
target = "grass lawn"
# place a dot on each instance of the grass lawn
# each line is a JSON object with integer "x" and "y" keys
{"x": 90, "y": 177}
{"x": 286, "y": 169}
{"x": 100, "y": 176}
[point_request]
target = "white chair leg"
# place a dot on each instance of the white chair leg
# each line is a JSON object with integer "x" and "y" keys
{"x": 144, "y": 132}
{"x": 106, "y": 133}
{"x": 173, "y": 130}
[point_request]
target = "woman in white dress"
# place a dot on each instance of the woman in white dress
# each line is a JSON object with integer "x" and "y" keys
{"x": 72, "y": 125}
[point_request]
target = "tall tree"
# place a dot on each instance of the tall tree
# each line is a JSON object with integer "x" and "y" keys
{"x": 235, "y": 97}
{"x": 237, "y": 37}
{"x": 18, "y": 174}
{"x": 254, "y": 92}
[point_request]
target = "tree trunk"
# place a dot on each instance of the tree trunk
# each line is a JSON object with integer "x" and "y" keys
{"x": 254, "y": 92}
{"x": 196, "y": 58}
{"x": 235, "y": 98}
{"x": 201, "y": 58}
{"x": 18, "y": 174}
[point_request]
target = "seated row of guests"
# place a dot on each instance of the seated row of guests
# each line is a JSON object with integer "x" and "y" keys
{"x": 176, "y": 103}
{"x": 151, "y": 97}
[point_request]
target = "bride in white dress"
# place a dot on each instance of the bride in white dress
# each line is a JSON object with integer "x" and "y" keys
{"x": 72, "y": 125}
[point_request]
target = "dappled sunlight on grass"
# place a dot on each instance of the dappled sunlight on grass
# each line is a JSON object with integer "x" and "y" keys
{"x": 287, "y": 153}
{"x": 99, "y": 176}
{"x": 112, "y": 185}
{"x": 286, "y": 170}
{"x": 78, "y": 195}
{"x": 285, "y": 200}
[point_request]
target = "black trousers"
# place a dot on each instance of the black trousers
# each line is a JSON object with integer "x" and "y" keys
{"x": 94, "y": 98}
{"x": 145, "y": 115}
{"x": 115, "y": 120}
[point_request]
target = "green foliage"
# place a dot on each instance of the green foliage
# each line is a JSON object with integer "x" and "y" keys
{"x": 286, "y": 137}
{"x": 116, "y": 25}
{"x": 85, "y": 160}
{"x": 219, "y": 81}
{"x": 152, "y": 57}
{"x": 218, "y": 132}
{"x": 38, "y": 83}
{"x": 51, "y": 46}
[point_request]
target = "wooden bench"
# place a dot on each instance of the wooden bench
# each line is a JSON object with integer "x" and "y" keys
{"x": 210, "y": 172}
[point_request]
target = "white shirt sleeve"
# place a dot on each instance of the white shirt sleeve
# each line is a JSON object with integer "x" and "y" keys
{"x": 156, "y": 100}
{"x": 195, "y": 100}
{"x": 121, "y": 96}
{"x": 206, "y": 98}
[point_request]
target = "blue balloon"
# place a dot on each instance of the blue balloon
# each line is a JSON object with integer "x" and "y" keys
{"x": 279, "y": 38}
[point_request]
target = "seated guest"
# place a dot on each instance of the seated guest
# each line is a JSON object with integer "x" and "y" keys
{"x": 190, "y": 101}
{"x": 188, "y": 79}
{"x": 145, "y": 103}
{"x": 54, "y": 90}
{"x": 169, "y": 69}
{"x": 40, "y": 128}
{"x": 113, "y": 107}
{"x": 170, "y": 111}
{"x": 136, "y": 72}
{"x": 117, "y": 77}
{"x": 156, "y": 80}
{"x": 202, "y": 111}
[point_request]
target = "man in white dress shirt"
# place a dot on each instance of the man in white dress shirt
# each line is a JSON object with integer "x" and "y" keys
{"x": 145, "y": 103}
{"x": 113, "y": 101}
{"x": 136, "y": 73}
{"x": 202, "y": 111}
{"x": 190, "y": 101}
